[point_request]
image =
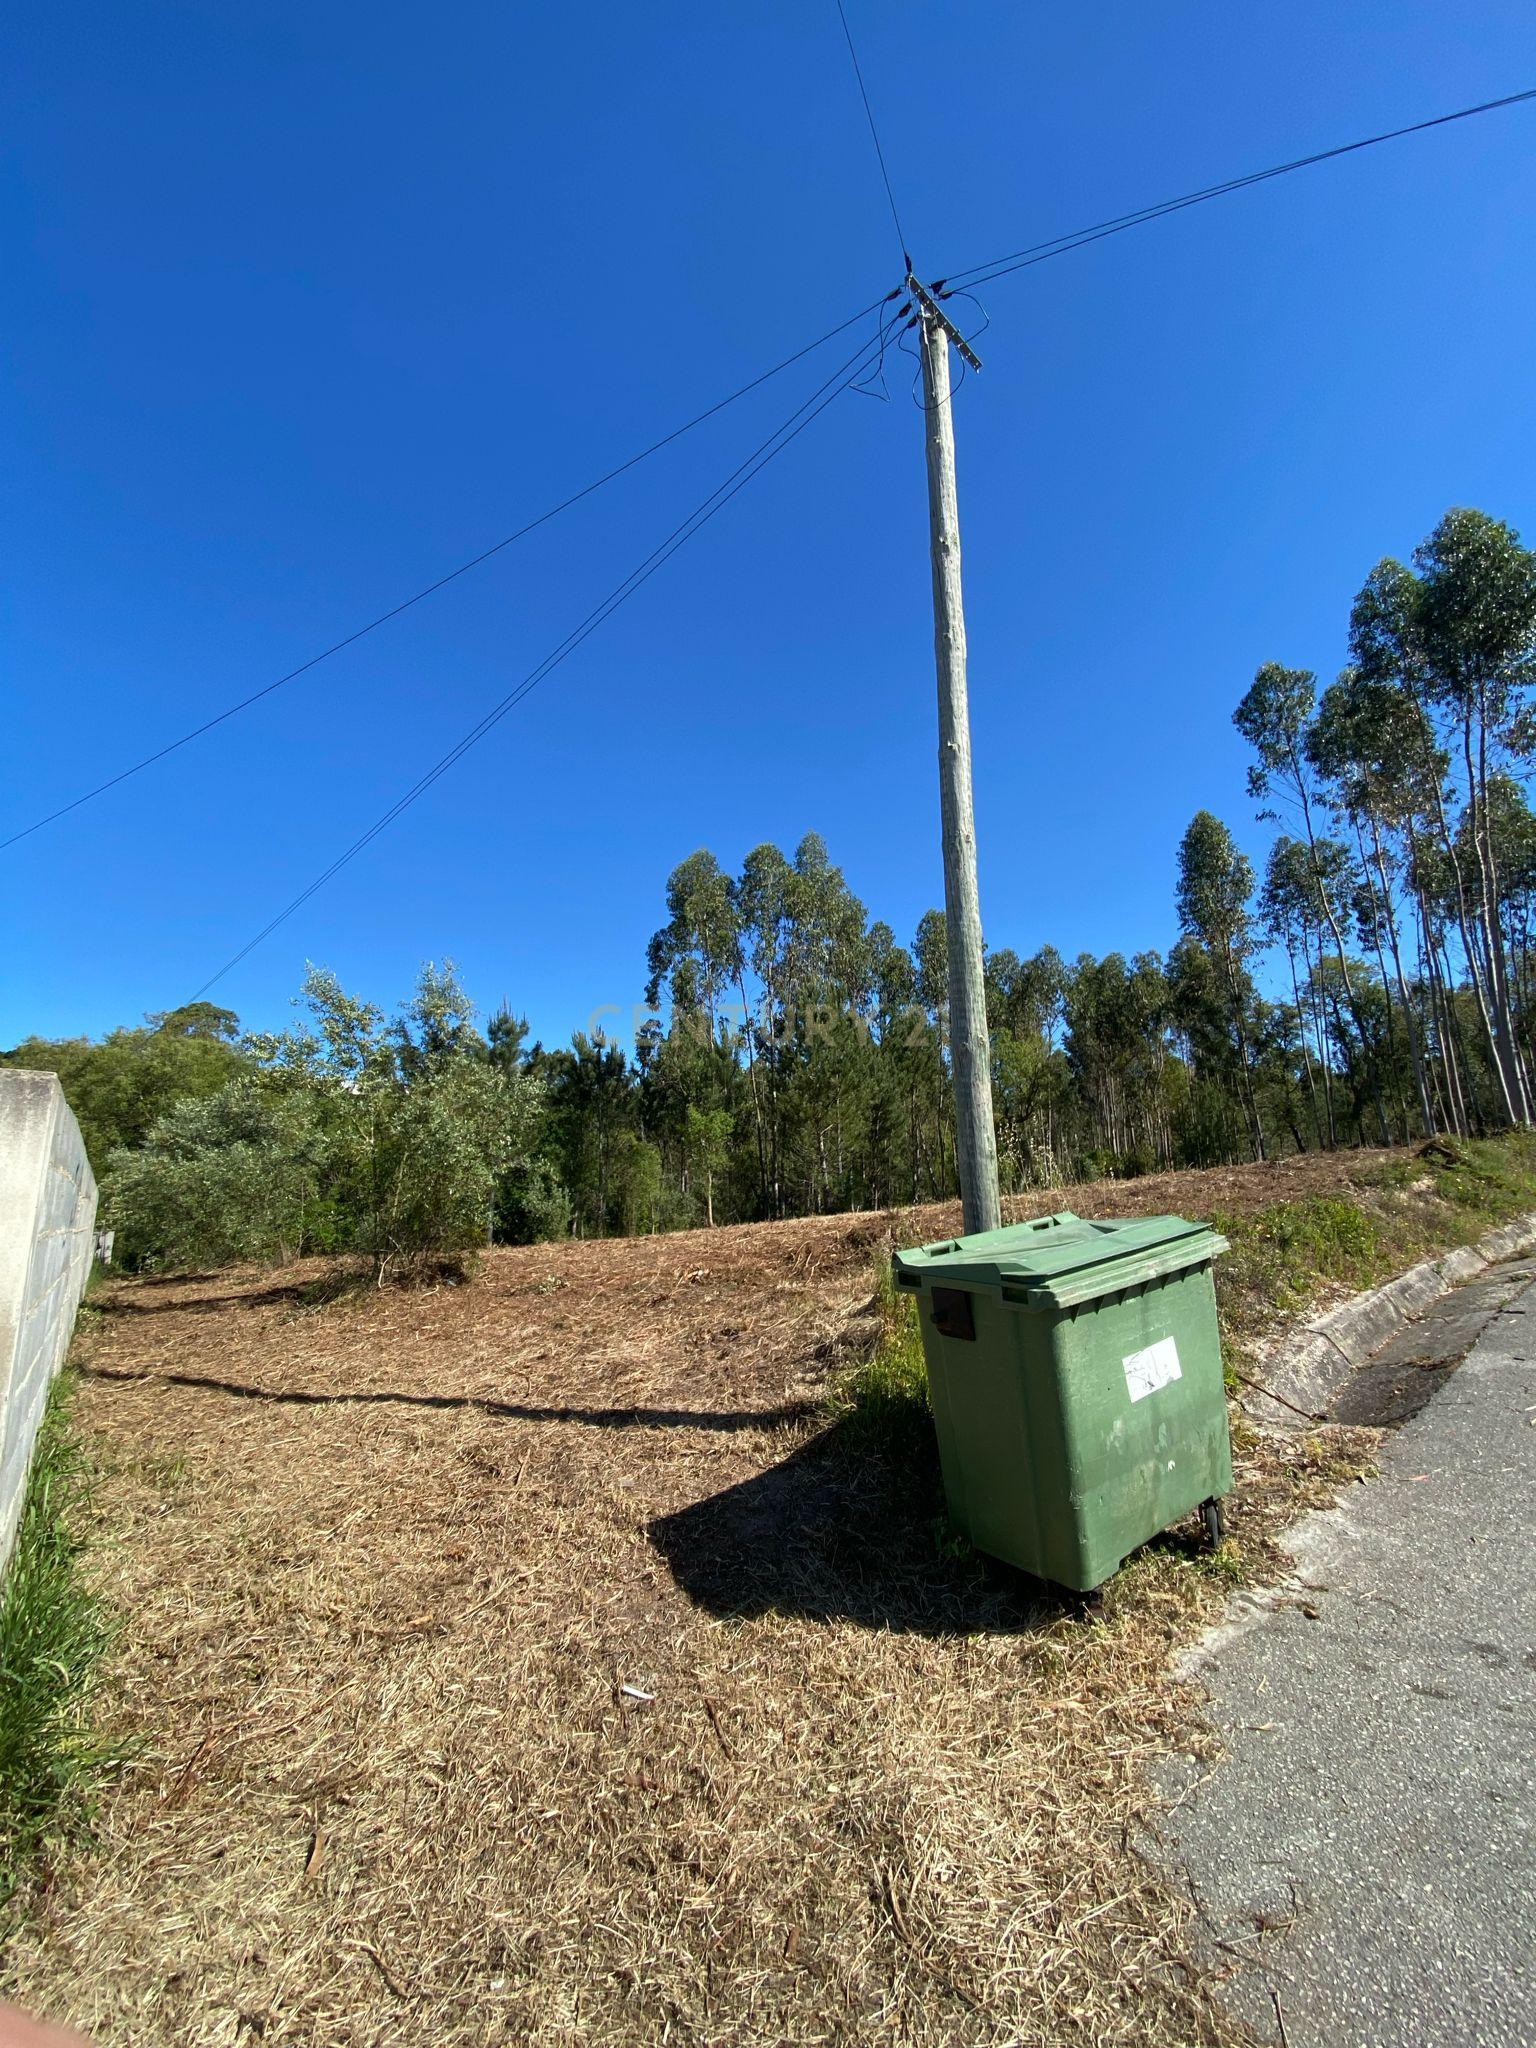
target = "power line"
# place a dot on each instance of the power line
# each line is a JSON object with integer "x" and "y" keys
{"x": 874, "y": 132}
{"x": 441, "y": 582}
{"x": 982, "y": 273}
{"x": 739, "y": 478}
{"x": 1060, "y": 245}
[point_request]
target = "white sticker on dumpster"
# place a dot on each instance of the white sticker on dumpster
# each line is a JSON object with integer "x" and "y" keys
{"x": 1146, "y": 1371}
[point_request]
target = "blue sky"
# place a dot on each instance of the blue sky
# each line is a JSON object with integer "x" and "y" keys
{"x": 309, "y": 303}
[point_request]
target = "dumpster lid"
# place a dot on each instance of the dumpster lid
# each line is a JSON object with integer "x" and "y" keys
{"x": 1061, "y": 1261}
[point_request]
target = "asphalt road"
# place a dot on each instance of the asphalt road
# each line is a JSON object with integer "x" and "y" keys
{"x": 1364, "y": 1855}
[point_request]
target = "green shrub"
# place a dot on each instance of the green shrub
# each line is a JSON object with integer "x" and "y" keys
{"x": 1099, "y": 1164}
{"x": 237, "y": 1175}
{"x": 392, "y": 1140}
{"x": 532, "y": 1207}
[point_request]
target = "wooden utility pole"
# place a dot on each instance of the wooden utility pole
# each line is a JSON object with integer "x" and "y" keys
{"x": 969, "y": 1043}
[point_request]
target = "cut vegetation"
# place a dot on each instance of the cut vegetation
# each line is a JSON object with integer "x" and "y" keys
{"x": 580, "y": 1654}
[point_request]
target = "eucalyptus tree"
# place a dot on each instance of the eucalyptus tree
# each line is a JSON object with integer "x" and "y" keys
{"x": 762, "y": 897}
{"x": 698, "y": 957}
{"x": 829, "y": 982}
{"x": 1358, "y": 1032}
{"x": 1511, "y": 832}
{"x": 1287, "y": 919}
{"x": 930, "y": 956}
{"x": 1026, "y": 996}
{"x": 1275, "y": 717}
{"x": 909, "y": 1098}
{"x": 1457, "y": 632}
{"x": 241, "y": 1174}
{"x": 1366, "y": 745}
{"x": 1280, "y": 1049}
{"x": 1116, "y": 1018}
{"x": 1032, "y": 1085}
{"x": 1475, "y": 626}
{"x": 697, "y": 954}
{"x": 1216, "y": 1116}
{"x": 1214, "y": 891}
{"x": 707, "y": 1146}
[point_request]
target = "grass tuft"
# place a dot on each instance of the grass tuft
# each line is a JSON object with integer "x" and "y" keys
{"x": 888, "y": 1390}
{"x": 52, "y": 1636}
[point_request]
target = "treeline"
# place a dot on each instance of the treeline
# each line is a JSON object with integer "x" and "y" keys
{"x": 394, "y": 1139}
{"x": 797, "y": 1057}
{"x": 805, "y": 1066}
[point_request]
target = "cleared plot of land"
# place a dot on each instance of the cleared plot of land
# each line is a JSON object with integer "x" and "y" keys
{"x": 536, "y": 1659}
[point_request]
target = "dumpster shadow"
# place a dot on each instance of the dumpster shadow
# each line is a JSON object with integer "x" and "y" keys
{"x": 850, "y": 1527}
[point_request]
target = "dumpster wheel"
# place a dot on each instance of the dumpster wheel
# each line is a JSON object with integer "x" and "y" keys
{"x": 1214, "y": 1515}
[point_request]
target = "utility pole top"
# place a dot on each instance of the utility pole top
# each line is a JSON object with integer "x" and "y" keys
{"x": 935, "y": 311}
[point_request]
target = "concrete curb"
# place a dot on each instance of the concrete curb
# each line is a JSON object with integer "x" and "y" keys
{"x": 1306, "y": 1369}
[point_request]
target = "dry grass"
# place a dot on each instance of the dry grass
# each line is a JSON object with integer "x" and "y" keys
{"x": 535, "y": 1660}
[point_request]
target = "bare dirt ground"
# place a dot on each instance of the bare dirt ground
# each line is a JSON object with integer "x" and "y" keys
{"x": 534, "y": 1659}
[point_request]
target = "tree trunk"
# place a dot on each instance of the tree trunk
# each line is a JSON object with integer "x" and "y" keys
{"x": 1338, "y": 939}
{"x": 1410, "y": 1022}
{"x": 1488, "y": 911}
{"x": 1255, "y": 1127}
{"x": 1379, "y": 906}
{"x": 1320, "y": 1033}
{"x": 1455, "y": 1098}
{"x": 1306, "y": 1056}
{"x": 1474, "y": 970}
{"x": 750, "y": 1034}
{"x": 1466, "y": 1074}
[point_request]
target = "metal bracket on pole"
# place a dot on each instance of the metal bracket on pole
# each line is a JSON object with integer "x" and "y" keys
{"x": 931, "y": 305}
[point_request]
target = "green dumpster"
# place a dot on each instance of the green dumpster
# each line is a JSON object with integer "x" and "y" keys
{"x": 1075, "y": 1374}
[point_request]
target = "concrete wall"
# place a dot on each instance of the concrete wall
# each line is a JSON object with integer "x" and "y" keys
{"x": 47, "y": 1220}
